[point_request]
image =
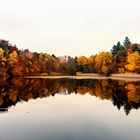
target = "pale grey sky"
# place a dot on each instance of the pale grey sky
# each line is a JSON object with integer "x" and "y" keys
{"x": 69, "y": 27}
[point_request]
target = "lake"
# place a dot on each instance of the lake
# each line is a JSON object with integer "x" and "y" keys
{"x": 69, "y": 109}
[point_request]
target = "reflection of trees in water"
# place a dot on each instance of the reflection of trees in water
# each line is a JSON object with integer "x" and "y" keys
{"x": 121, "y": 93}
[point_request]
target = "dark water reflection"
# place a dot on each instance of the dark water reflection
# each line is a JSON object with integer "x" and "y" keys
{"x": 69, "y": 109}
{"x": 122, "y": 94}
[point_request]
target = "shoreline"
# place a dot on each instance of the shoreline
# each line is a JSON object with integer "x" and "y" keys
{"x": 127, "y": 77}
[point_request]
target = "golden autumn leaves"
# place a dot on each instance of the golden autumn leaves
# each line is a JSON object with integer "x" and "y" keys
{"x": 101, "y": 63}
{"x": 104, "y": 62}
{"x": 133, "y": 62}
{"x": 122, "y": 59}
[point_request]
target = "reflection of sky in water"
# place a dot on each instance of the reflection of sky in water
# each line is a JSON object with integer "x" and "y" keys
{"x": 71, "y": 117}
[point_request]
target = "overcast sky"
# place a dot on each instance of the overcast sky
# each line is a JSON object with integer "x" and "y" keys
{"x": 69, "y": 27}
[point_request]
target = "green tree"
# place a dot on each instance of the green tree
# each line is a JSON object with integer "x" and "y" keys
{"x": 126, "y": 41}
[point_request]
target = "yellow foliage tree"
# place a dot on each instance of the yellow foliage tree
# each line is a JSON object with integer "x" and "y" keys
{"x": 2, "y": 63}
{"x": 1, "y": 54}
{"x": 104, "y": 62}
{"x": 91, "y": 59}
{"x": 2, "y": 58}
{"x": 13, "y": 58}
{"x": 133, "y": 62}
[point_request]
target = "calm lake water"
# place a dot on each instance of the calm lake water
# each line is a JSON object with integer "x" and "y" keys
{"x": 69, "y": 109}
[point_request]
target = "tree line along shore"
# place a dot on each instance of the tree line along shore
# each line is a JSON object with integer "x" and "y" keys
{"x": 123, "y": 58}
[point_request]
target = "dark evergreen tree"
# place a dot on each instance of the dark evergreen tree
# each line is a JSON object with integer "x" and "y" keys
{"x": 126, "y": 41}
{"x": 136, "y": 47}
{"x": 116, "y": 49}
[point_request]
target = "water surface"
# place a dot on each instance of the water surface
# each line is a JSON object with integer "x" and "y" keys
{"x": 69, "y": 109}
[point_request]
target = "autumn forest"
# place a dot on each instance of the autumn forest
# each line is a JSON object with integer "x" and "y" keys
{"x": 122, "y": 58}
